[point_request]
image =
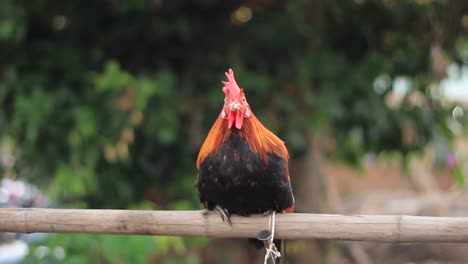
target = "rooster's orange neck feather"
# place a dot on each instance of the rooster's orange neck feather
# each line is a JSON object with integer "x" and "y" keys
{"x": 260, "y": 139}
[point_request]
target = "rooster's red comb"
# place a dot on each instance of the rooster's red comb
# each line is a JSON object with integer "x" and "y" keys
{"x": 231, "y": 89}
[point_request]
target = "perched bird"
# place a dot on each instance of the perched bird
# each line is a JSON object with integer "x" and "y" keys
{"x": 243, "y": 167}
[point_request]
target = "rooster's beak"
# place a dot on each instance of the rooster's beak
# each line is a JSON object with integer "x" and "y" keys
{"x": 234, "y": 106}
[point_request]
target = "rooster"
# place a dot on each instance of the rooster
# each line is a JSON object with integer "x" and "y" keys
{"x": 243, "y": 167}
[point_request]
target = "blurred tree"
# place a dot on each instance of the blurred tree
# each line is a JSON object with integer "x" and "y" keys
{"x": 107, "y": 102}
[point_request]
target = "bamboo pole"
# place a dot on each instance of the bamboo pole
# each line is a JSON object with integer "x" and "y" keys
{"x": 389, "y": 228}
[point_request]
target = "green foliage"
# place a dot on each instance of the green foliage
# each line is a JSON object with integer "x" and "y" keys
{"x": 13, "y": 23}
{"x": 107, "y": 102}
{"x": 459, "y": 177}
{"x": 125, "y": 249}
{"x": 112, "y": 249}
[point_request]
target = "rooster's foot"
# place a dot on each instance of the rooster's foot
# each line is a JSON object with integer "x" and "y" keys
{"x": 223, "y": 213}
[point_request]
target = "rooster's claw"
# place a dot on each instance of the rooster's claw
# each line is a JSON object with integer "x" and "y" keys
{"x": 223, "y": 213}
